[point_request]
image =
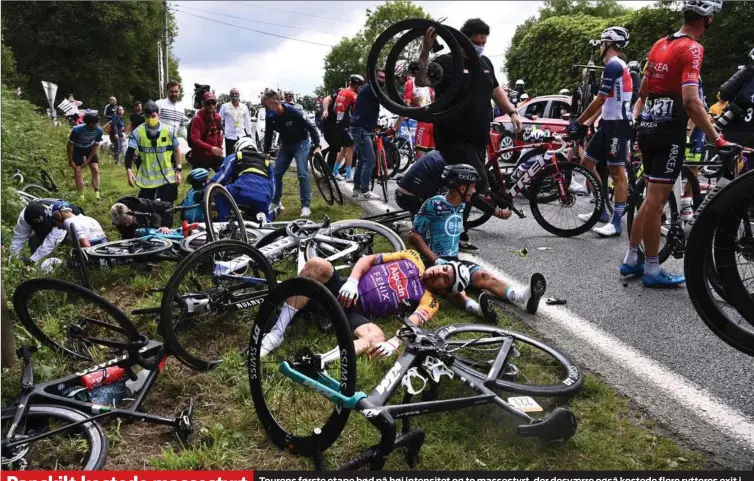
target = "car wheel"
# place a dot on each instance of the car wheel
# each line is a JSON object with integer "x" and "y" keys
{"x": 507, "y": 140}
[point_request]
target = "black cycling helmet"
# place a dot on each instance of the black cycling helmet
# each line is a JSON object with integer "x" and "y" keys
{"x": 460, "y": 174}
{"x": 633, "y": 66}
{"x": 151, "y": 108}
{"x": 91, "y": 116}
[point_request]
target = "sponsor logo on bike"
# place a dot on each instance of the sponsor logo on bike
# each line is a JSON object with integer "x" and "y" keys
{"x": 249, "y": 303}
{"x": 370, "y": 413}
{"x": 390, "y": 379}
{"x": 109, "y": 363}
{"x": 397, "y": 280}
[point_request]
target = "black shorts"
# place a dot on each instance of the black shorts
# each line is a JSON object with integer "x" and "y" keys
{"x": 466, "y": 153}
{"x": 610, "y": 144}
{"x": 345, "y": 138}
{"x": 411, "y": 203}
{"x": 80, "y": 155}
{"x": 354, "y": 314}
{"x": 662, "y": 154}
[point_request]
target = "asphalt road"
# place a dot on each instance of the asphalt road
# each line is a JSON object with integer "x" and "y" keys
{"x": 650, "y": 344}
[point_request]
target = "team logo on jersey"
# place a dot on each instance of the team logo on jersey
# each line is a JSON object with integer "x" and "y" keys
{"x": 454, "y": 225}
{"x": 397, "y": 280}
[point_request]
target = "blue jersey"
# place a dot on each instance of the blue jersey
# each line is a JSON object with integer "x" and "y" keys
{"x": 82, "y": 137}
{"x": 193, "y": 197}
{"x": 440, "y": 225}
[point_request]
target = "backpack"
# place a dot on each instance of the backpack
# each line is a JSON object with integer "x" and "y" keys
{"x": 199, "y": 91}
{"x": 191, "y": 123}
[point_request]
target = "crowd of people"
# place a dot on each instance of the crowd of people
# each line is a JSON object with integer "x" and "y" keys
{"x": 450, "y": 155}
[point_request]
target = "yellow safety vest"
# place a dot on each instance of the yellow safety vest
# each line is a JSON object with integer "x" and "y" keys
{"x": 156, "y": 156}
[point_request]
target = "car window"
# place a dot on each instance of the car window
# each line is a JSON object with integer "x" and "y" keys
{"x": 558, "y": 108}
{"x": 534, "y": 109}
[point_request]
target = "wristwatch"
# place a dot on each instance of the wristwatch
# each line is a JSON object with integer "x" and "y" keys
{"x": 178, "y": 168}
{"x": 510, "y": 114}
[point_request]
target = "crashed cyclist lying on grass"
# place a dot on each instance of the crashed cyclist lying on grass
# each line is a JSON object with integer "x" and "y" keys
{"x": 380, "y": 285}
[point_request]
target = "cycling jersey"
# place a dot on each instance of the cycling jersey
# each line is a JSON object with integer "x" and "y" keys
{"x": 417, "y": 96}
{"x": 618, "y": 87}
{"x": 440, "y": 224}
{"x": 82, "y": 137}
{"x": 193, "y": 197}
{"x": 344, "y": 106}
{"x": 86, "y": 228}
{"x": 392, "y": 282}
{"x": 674, "y": 62}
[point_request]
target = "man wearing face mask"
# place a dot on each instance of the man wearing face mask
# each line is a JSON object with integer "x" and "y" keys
{"x": 236, "y": 120}
{"x": 363, "y": 122}
{"x": 463, "y": 139}
{"x": 159, "y": 167}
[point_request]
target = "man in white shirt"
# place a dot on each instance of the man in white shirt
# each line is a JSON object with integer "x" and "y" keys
{"x": 172, "y": 113}
{"x": 88, "y": 231}
{"x": 236, "y": 120}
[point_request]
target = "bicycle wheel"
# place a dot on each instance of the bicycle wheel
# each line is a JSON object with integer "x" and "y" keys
{"x": 195, "y": 241}
{"x": 36, "y": 190}
{"x": 401, "y": 150}
{"x": 79, "y": 264}
{"x": 210, "y": 301}
{"x": 337, "y": 194}
{"x": 322, "y": 179}
{"x": 47, "y": 181}
{"x": 576, "y": 204}
{"x": 62, "y": 315}
{"x": 478, "y": 217}
{"x": 83, "y": 447}
{"x": 368, "y": 238}
{"x": 290, "y": 410}
{"x": 410, "y": 155}
{"x": 138, "y": 248}
{"x": 382, "y": 173}
{"x": 533, "y": 368}
{"x": 233, "y": 227}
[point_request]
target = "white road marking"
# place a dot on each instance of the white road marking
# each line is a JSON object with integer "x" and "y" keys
{"x": 697, "y": 400}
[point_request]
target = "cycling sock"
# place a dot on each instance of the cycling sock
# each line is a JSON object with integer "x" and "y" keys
{"x": 472, "y": 307}
{"x": 652, "y": 268}
{"x": 632, "y": 255}
{"x": 518, "y": 294}
{"x": 348, "y": 172}
{"x": 286, "y": 315}
{"x": 336, "y": 168}
{"x": 620, "y": 207}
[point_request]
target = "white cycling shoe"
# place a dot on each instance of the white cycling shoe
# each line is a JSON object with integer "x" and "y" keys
{"x": 607, "y": 230}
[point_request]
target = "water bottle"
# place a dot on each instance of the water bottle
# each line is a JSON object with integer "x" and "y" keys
{"x": 102, "y": 377}
{"x": 135, "y": 386}
{"x": 687, "y": 210}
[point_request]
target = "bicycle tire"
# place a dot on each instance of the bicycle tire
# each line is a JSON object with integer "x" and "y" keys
{"x": 322, "y": 180}
{"x": 27, "y": 289}
{"x": 36, "y": 190}
{"x": 399, "y": 141}
{"x": 156, "y": 245}
{"x": 570, "y": 376}
{"x": 335, "y": 424}
{"x": 198, "y": 239}
{"x": 337, "y": 194}
{"x": 473, "y": 222}
{"x": 96, "y": 441}
{"x": 410, "y": 157}
{"x": 396, "y": 243}
{"x": 565, "y": 167}
{"x": 235, "y": 213}
{"x": 79, "y": 264}
{"x": 382, "y": 172}
{"x": 191, "y": 264}
{"x": 47, "y": 181}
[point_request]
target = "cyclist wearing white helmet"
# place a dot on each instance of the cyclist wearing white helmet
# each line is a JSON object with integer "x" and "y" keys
{"x": 609, "y": 145}
{"x": 250, "y": 180}
{"x": 668, "y": 98}
{"x": 379, "y": 285}
{"x": 436, "y": 234}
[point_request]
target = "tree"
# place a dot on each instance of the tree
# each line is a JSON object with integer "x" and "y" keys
{"x": 223, "y": 99}
{"x": 593, "y": 8}
{"x": 321, "y": 91}
{"x": 349, "y": 56}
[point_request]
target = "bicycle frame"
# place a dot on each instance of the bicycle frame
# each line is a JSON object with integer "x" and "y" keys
{"x": 281, "y": 248}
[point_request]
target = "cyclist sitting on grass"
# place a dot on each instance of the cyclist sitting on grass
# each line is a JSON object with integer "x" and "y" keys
{"x": 379, "y": 285}
{"x": 436, "y": 235}
{"x": 249, "y": 179}
{"x": 122, "y": 217}
{"x": 197, "y": 178}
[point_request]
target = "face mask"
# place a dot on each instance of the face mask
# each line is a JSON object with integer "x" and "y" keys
{"x": 152, "y": 122}
{"x": 479, "y": 50}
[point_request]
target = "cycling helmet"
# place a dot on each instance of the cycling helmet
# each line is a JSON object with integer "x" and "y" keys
{"x": 60, "y": 206}
{"x": 519, "y": 82}
{"x": 151, "y": 108}
{"x": 198, "y": 176}
{"x": 459, "y": 174}
{"x": 91, "y": 116}
{"x": 705, "y": 8}
{"x": 751, "y": 55}
{"x": 355, "y": 79}
{"x": 462, "y": 276}
{"x": 617, "y": 35}
{"x": 634, "y": 66}
{"x": 401, "y": 69}
{"x": 524, "y": 96}
{"x": 564, "y": 92}
{"x": 245, "y": 143}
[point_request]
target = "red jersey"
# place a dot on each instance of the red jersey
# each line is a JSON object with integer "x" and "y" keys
{"x": 674, "y": 62}
{"x": 344, "y": 106}
{"x": 417, "y": 96}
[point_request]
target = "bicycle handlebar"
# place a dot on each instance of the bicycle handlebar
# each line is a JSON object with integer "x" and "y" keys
{"x": 177, "y": 208}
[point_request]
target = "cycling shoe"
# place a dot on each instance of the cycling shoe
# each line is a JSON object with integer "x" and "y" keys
{"x": 663, "y": 279}
{"x": 627, "y": 270}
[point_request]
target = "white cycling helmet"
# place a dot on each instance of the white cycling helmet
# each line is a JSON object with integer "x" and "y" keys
{"x": 617, "y": 35}
{"x": 519, "y": 82}
{"x": 462, "y": 276}
{"x": 705, "y": 8}
{"x": 245, "y": 143}
{"x": 563, "y": 92}
{"x": 524, "y": 96}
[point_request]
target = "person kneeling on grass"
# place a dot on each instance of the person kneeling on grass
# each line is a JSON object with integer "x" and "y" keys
{"x": 380, "y": 285}
{"x": 87, "y": 230}
{"x": 436, "y": 235}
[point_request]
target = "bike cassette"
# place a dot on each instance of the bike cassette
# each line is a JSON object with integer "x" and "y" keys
{"x": 436, "y": 369}
{"x": 413, "y": 373}
{"x": 183, "y": 426}
{"x": 16, "y": 454}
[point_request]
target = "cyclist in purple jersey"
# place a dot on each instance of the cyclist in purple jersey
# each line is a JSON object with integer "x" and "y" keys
{"x": 379, "y": 285}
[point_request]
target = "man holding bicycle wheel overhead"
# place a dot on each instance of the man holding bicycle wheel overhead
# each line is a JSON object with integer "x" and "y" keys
{"x": 668, "y": 98}
{"x": 463, "y": 139}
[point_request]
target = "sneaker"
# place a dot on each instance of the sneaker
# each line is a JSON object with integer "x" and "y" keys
{"x": 355, "y": 193}
{"x": 487, "y": 303}
{"x": 96, "y": 194}
{"x": 627, "y": 270}
{"x": 607, "y": 230}
{"x": 577, "y": 188}
{"x": 349, "y": 180}
{"x": 663, "y": 279}
{"x": 306, "y": 212}
{"x": 366, "y": 195}
{"x": 467, "y": 246}
{"x": 603, "y": 219}
{"x": 537, "y": 288}
{"x": 270, "y": 342}
{"x": 339, "y": 177}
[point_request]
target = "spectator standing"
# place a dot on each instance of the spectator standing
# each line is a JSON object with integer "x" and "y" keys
{"x": 207, "y": 135}
{"x": 110, "y": 109}
{"x": 172, "y": 113}
{"x": 318, "y": 113}
{"x": 136, "y": 118}
{"x": 295, "y": 131}
{"x": 82, "y": 149}
{"x": 344, "y": 106}
{"x": 117, "y": 130}
{"x": 363, "y": 123}
{"x": 236, "y": 120}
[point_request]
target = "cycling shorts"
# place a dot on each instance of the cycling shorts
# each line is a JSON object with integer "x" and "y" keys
{"x": 411, "y": 203}
{"x": 354, "y": 314}
{"x": 345, "y": 137}
{"x": 424, "y": 139}
{"x": 662, "y": 154}
{"x": 610, "y": 143}
{"x": 80, "y": 155}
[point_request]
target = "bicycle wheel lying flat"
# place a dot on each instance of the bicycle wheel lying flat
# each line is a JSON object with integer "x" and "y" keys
{"x": 289, "y": 410}
{"x": 210, "y": 302}
{"x": 62, "y": 315}
{"x": 83, "y": 447}
{"x": 130, "y": 248}
{"x": 195, "y": 241}
{"x": 234, "y": 225}
{"x": 534, "y": 368}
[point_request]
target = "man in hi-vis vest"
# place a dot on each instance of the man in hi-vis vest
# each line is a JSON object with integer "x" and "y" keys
{"x": 158, "y": 168}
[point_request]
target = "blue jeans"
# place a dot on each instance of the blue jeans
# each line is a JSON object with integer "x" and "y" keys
{"x": 364, "y": 149}
{"x": 286, "y": 154}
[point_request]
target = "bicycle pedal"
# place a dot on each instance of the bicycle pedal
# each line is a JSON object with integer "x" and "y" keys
{"x": 184, "y": 426}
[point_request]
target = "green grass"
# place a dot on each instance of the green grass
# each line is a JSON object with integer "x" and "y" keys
{"x": 612, "y": 433}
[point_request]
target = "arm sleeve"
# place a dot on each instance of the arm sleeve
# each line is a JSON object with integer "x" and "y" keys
{"x": 223, "y": 175}
{"x": 613, "y": 71}
{"x": 72, "y": 137}
{"x": 729, "y": 89}
{"x": 692, "y": 64}
{"x": 422, "y": 222}
{"x": 55, "y": 237}
{"x": 491, "y": 67}
{"x": 408, "y": 91}
{"x": 21, "y": 234}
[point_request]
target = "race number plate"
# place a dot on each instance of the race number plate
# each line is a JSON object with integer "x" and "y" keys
{"x": 525, "y": 404}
